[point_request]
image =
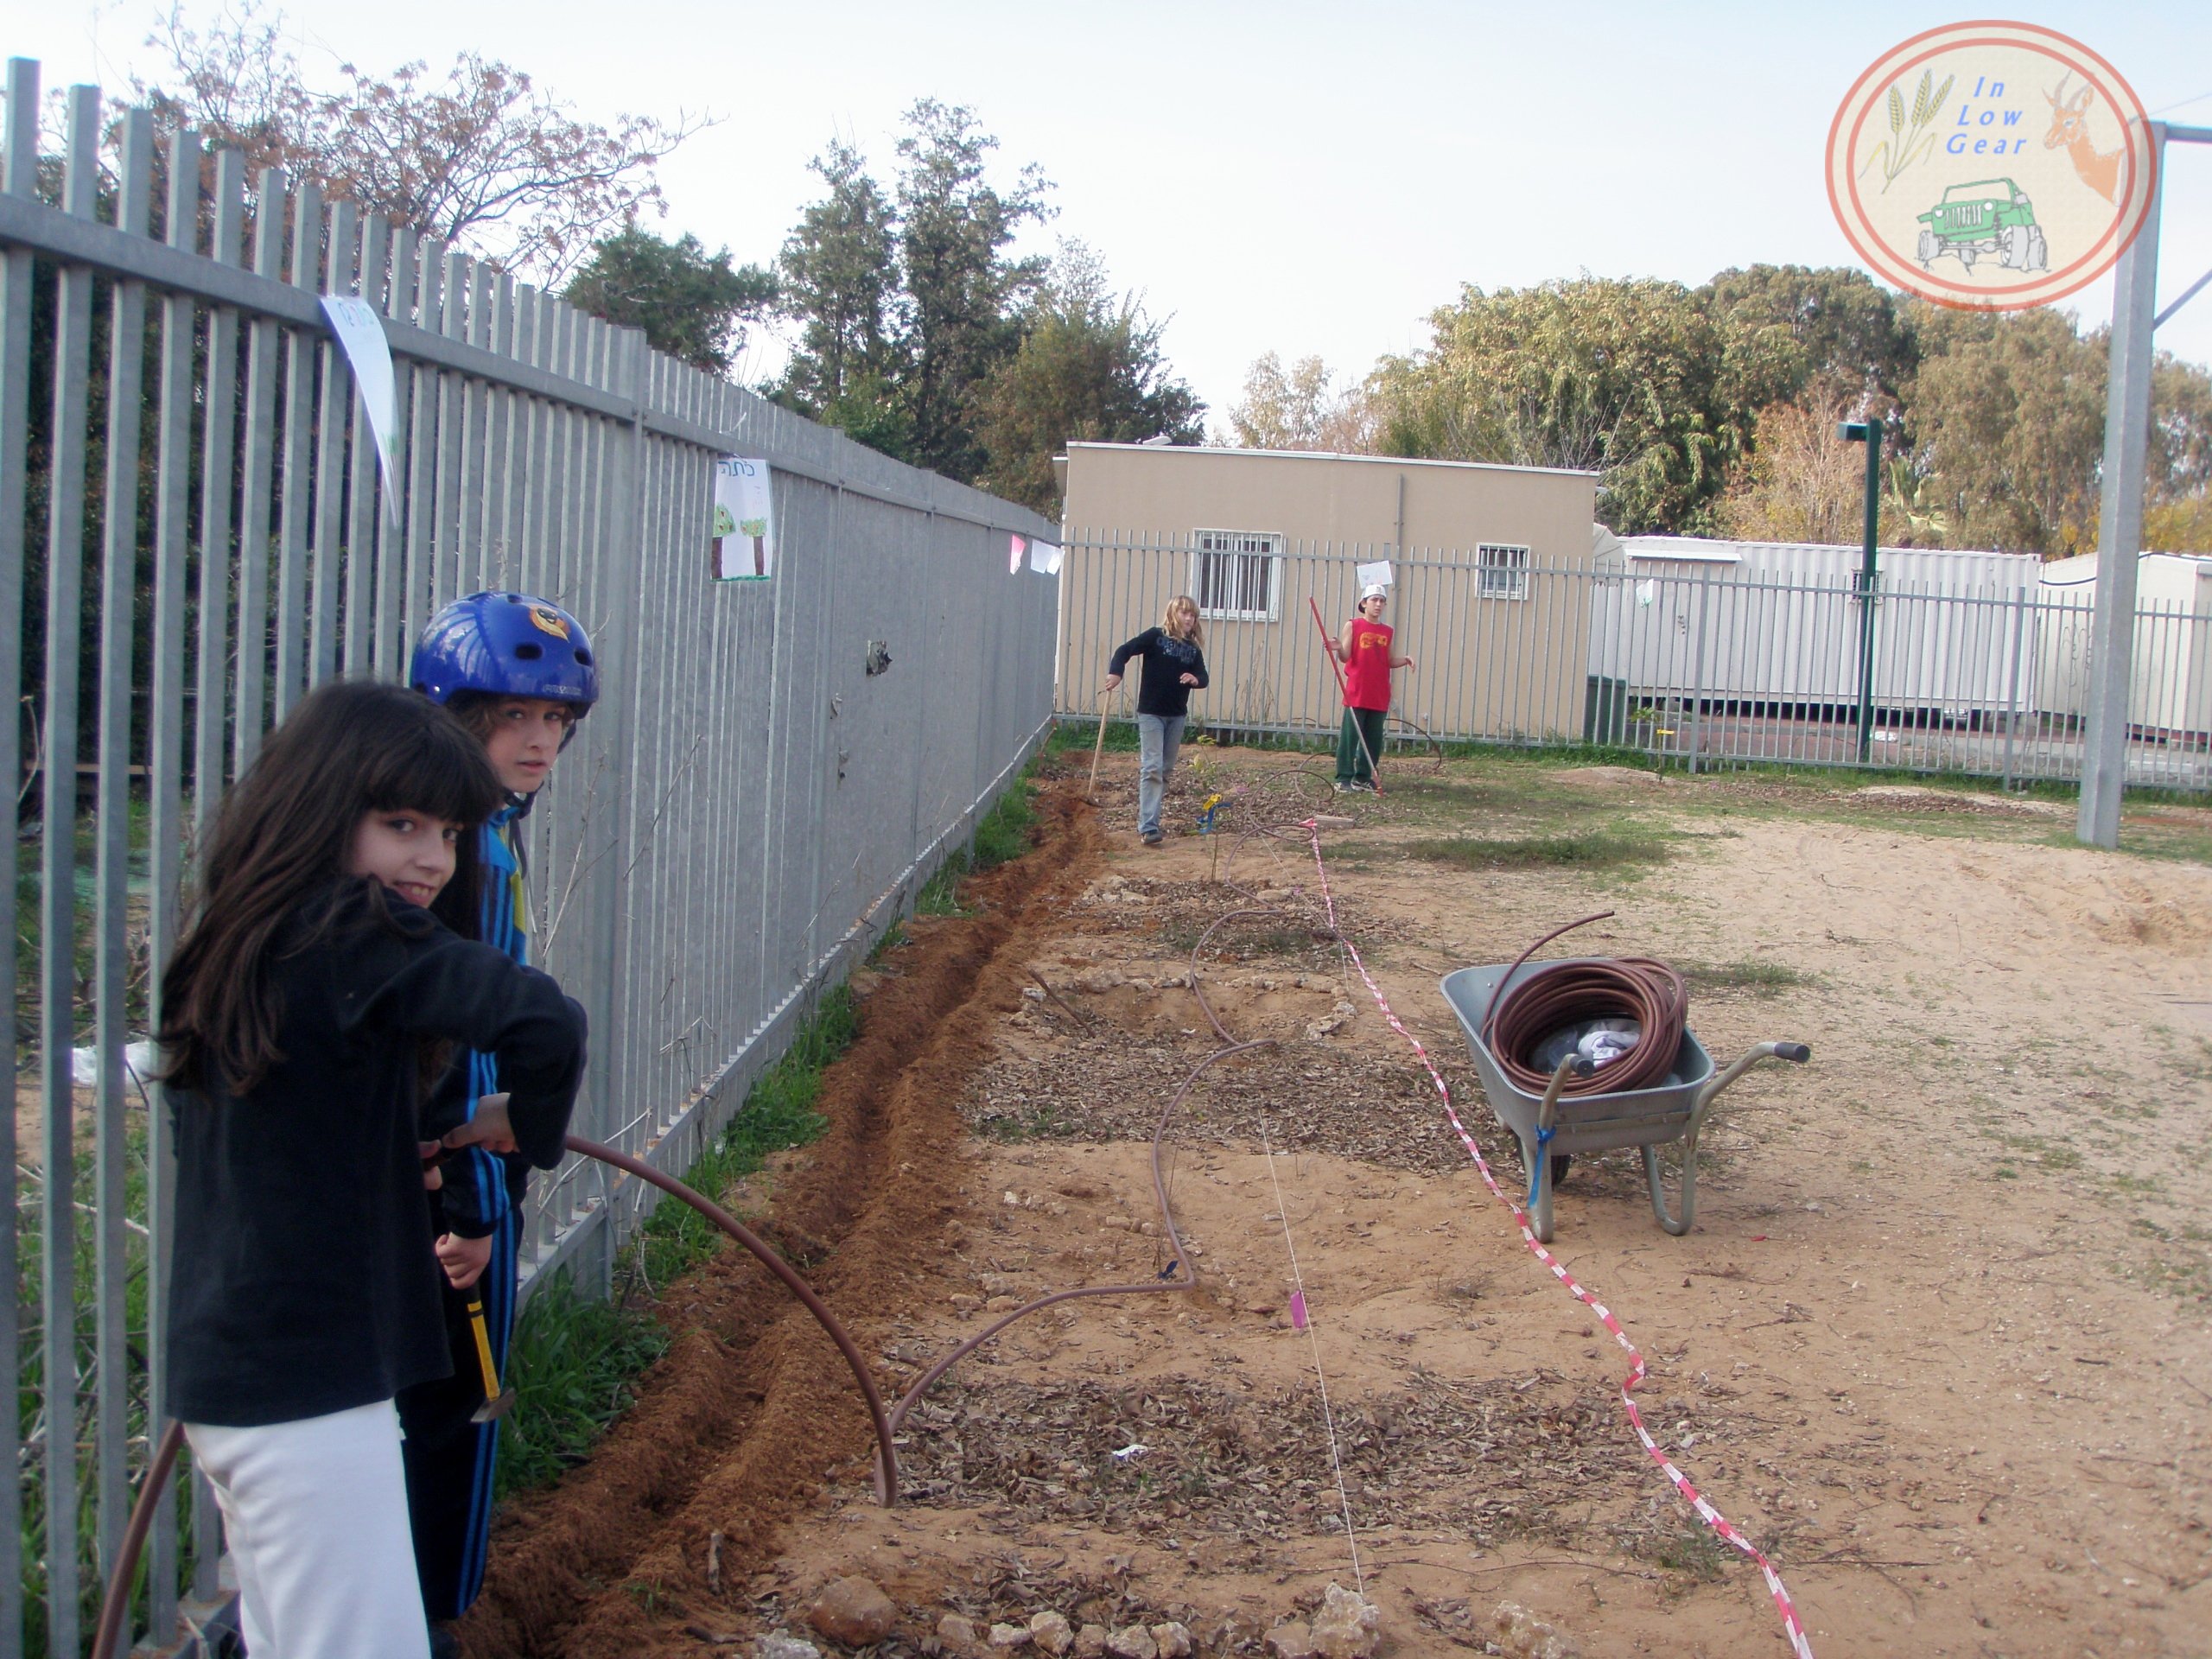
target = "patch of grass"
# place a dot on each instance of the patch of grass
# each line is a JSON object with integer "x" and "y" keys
{"x": 778, "y": 1114}
{"x": 1589, "y": 851}
{"x": 1079, "y": 734}
{"x": 575, "y": 1362}
{"x": 1759, "y": 978}
{"x": 1006, "y": 832}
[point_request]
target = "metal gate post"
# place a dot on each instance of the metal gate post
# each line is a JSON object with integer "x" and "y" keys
{"x": 2119, "y": 521}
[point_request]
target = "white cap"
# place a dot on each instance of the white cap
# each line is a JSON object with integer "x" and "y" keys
{"x": 1373, "y": 590}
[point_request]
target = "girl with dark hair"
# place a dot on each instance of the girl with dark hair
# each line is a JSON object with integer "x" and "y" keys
{"x": 314, "y": 993}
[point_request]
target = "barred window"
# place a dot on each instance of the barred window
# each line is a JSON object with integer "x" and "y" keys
{"x": 1234, "y": 574}
{"x": 1503, "y": 571}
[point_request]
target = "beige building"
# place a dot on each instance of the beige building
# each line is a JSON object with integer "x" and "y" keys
{"x": 1489, "y": 589}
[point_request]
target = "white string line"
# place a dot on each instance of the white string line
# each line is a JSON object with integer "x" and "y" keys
{"x": 1328, "y": 1421}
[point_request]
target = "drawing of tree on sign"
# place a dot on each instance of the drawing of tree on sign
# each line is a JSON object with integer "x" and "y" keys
{"x": 1908, "y": 142}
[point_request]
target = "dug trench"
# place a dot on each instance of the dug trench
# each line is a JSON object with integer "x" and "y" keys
{"x": 734, "y": 1428}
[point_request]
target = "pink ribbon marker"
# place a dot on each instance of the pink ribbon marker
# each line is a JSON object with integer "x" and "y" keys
{"x": 1298, "y": 1310}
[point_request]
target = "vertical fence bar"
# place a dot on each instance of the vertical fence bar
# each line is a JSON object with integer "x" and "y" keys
{"x": 126, "y": 409}
{"x": 18, "y": 177}
{"x": 65, "y": 569}
{"x": 167, "y": 828}
{"x": 361, "y": 479}
{"x": 218, "y": 496}
{"x": 335, "y": 402}
{"x": 300, "y": 353}
{"x": 388, "y": 654}
{"x": 421, "y": 464}
{"x": 453, "y": 395}
{"x": 262, "y": 340}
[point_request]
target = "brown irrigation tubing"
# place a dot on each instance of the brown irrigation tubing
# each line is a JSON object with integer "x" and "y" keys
{"x": 115, "y": 1606}
{"x": 886, "y": 1470}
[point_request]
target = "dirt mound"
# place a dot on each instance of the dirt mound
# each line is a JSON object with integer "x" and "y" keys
{"x": 1612, "y": 778}
{"x": 733, "y": 1431}
{"x": 1913, "y": 798}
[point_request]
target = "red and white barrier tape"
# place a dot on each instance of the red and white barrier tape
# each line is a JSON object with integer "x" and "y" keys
{"x": 1791, "y": 1622}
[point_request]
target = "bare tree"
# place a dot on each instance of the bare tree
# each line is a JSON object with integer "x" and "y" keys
{"x": 483, "y": 158}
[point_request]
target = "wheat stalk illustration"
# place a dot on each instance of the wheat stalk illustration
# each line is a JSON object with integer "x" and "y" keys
{"x": 1908, "y": 142}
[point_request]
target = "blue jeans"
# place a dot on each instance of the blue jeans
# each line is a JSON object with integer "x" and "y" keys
{"x": 1157, "y": 738}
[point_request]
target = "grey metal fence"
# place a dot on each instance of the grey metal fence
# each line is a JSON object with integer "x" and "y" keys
{"x": 193, "y": 531}
{"x": 1698, "y": 667}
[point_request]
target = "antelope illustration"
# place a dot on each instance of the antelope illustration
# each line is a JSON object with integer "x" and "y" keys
{"x": 2100, "y": 169}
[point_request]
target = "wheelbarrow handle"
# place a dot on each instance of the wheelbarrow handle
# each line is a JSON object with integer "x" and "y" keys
{"x": 1798, "y": 1052}
{"x": 1572, "y": 1064}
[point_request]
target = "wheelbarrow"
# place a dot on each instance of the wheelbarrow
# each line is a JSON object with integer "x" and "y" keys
{"x": 1552, "y": 1127}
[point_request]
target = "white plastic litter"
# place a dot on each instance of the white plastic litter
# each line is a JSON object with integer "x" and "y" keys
{"x": 139, "y": 1056}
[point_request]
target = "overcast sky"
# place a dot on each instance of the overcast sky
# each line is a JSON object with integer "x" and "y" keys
{"x": 1287, "y": 177}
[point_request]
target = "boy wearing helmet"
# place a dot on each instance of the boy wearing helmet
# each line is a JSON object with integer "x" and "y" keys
{"x": 1364, "y": 650}
{"x": 519, "y": 672}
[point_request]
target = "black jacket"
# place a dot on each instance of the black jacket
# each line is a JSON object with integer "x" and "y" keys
{"x": 303, "y": 1281}
{"x": 1167, "y": 660}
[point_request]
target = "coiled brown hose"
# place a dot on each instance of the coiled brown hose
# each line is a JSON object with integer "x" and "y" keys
{"x": 1567, "y": 992}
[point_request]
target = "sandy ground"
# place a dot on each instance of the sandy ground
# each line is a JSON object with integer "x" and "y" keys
{"x": 1938, "y": 1342}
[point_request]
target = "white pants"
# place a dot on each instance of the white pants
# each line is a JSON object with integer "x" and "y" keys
{"x": 315, "y": 1512}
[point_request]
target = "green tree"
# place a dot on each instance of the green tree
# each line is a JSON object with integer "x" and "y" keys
{"x": 1791, "y": 335}
{"x": 962, "y": 293}
{"x": 2005, "y": 418}
{"x": 1088, "y": 367}
{"x": 692, "y": 304}
{"x": 1299, "y": 407}
{"x": 840, "y": 270}
{"x": 1617, "y": 377}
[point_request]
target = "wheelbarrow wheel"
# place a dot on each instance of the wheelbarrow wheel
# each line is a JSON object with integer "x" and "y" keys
{"x": 1562, "y": 1162}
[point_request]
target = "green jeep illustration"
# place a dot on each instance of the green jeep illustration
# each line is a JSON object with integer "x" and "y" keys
{"x": 1990, "y": 216}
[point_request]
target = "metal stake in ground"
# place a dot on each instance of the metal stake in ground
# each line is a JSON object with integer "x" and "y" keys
{"x": 1374, "y": 772}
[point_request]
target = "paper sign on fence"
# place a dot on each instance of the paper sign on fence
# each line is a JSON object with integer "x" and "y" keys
{"x": 745, "y": 520}
{"x": 1376, "y": 575}
{"x": 1044, "y": 558}
{"x": 361, "y": 336}
{"x": 1018, "y": 546}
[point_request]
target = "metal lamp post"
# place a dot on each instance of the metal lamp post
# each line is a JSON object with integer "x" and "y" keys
{"x": 1868, "y": 432}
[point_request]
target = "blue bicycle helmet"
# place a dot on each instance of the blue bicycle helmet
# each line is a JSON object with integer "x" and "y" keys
{"x": 507, "y": 646}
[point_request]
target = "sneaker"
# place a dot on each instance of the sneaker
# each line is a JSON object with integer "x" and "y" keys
{"x": 1343, "y": 788}
{"x": 1151, "y": 837}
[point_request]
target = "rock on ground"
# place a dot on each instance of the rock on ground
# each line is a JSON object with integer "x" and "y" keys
{"x": 1522, "y": 1635}
{"x": 852, "y": 1610}
{"x": 782, "y": 1644}
{"x": 1292, "y": 1641}
{"x": 1005, "y": 1638}
{"x": 1347, "y": 1626}
{"x": 1133, "y": 1642}
{"x": 957, "y": 1631}
{"x": 1050, "y": 1632}
{"x": 1090, "y": 1641}
{"x": 1172, "y": 1639}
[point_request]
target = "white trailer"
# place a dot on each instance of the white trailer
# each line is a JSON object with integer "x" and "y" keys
{"x": 2170, "y": 693}
{"x": 1777, "y": 625}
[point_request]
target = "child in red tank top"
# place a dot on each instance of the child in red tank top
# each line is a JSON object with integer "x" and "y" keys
{"x": 1365, "y": 648}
